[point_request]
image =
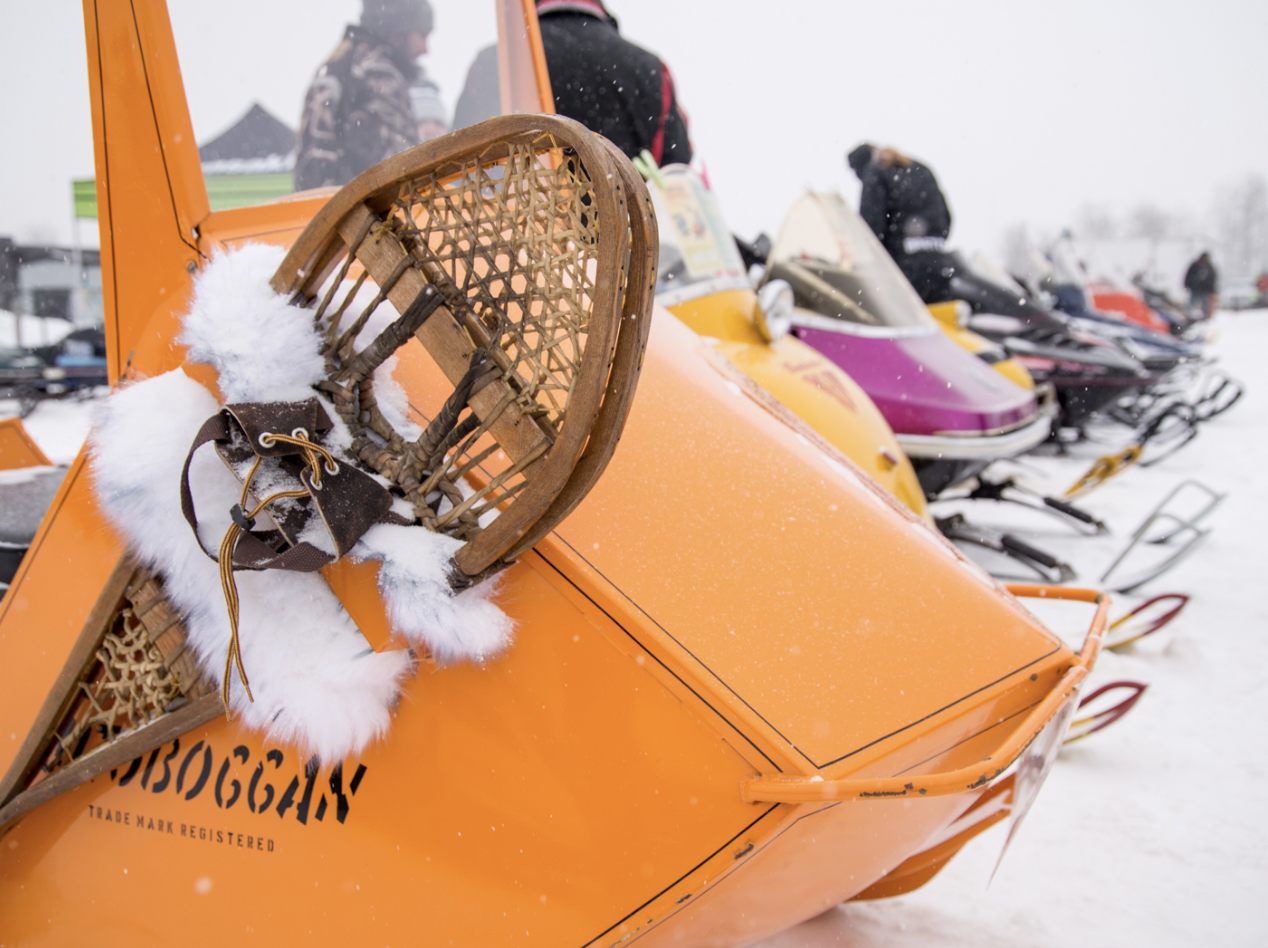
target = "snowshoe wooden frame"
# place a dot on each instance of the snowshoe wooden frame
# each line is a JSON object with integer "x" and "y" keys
{"x": 541, "y": 242}
{"x": 130, "y": 685}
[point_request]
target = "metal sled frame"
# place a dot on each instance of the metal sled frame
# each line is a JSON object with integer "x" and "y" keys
{"x": 1046, "y": 566}
{"x": 1174, "y": 527}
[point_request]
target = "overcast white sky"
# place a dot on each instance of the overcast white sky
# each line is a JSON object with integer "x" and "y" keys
{"x": 1026, "y": 111}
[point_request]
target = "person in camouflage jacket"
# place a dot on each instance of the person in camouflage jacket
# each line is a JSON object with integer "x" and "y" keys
{"x": 357, "y": 111}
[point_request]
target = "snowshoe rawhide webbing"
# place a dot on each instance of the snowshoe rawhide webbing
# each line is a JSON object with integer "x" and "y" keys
{"x": 130, "y": 685}
{"x": 530, "y": 230}
{"x": 508, "y": 256}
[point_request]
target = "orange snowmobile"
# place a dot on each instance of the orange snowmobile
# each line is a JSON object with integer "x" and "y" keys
{"x": 746, "y": 684}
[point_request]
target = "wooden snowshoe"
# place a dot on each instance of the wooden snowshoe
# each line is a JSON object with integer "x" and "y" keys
{"x": 506, "y": 253}
{"x": 516, "y": 259}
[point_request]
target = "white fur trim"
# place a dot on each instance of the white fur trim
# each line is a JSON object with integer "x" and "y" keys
{"x": 263, "y": 349}
{"x": 317, "y": 683}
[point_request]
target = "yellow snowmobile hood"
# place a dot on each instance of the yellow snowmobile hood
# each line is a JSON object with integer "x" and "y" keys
{"x": 702, "y": 281}
{"x": 809, "y": 385}
{"x": 947, "y": 315}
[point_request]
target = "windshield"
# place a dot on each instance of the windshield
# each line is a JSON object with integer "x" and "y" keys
{"x": 986, "y": 268}
{"x": 839, "y": 270}
{"x": 249, "y": 89}
{"x": 698, "y": 255}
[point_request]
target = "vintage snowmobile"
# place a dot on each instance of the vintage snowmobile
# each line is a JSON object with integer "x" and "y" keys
{"x": 918, "y": 378}
{"x": 1131, "y": 308}
{"x": 1088, "y": 372}
{"x": 724, "y": 630}
{"x": 1188, "y": 389}
{"x": 951, "y": 415}
{"x": 1179, "y": 319}
{"x": 1073, "y": 293}
{"x": 703, "y": 281}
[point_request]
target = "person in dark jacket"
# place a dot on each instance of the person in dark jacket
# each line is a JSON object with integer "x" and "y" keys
{"x": 903, "y": 205}
{"x": 1202, "y": 282}
{"x": 598, "y": 78}
{"x": 608, "y": 84}
{"x": 357, "y": 110}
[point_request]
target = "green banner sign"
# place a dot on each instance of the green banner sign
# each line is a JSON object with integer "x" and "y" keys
{"x": 224, "y": 191}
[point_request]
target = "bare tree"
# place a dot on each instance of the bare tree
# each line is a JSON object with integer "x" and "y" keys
{"x": 1095, "y": 222}
{"x": 1150, "y": 222}
{"x": 1014, "y": 248}
{"x": 1241, "y": 223}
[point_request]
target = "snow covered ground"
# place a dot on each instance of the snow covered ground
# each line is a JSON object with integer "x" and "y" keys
{"x": 1153, "y": 832}
{"x": 34, "y": 330}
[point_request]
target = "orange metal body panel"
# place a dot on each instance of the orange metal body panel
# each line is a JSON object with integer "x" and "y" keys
{"x": 729, "y": 602}
{"x": 44, "y": 610}
{"x": 619, "y": 786}
{"x": 17, "y": 450}
{"x": 150, "y": 191}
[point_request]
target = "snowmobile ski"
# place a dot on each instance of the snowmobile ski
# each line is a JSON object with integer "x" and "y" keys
{"x": 1172, "y": 527}
{"x": 1220, "y": 392}
{"x": 1009, "y": 491}
{"x": 1098, "y": 720}
{"x": 1045, "y": 565}
{"x": 1146, "y": 619}
{"x": 1102, "y": 469}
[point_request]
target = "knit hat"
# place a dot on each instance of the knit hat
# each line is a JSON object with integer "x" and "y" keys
{"x": 386, "y": 17}
{"x": 860, "y": 158}
{"x": 592, "y": 7}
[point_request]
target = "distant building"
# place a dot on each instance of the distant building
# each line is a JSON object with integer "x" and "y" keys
{"x": 256, "y": 143}
{"x": 51, "y": 282}
{"x": 251, "y": 162}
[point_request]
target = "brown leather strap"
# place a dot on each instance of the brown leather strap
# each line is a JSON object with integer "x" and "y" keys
{"x": 349, "y": 501}
{"x": 215, "y": 428}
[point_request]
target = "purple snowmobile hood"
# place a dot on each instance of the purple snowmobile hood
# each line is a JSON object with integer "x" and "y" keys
{"x": 924, "y": 384}
{"x": 855, "y": 306}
